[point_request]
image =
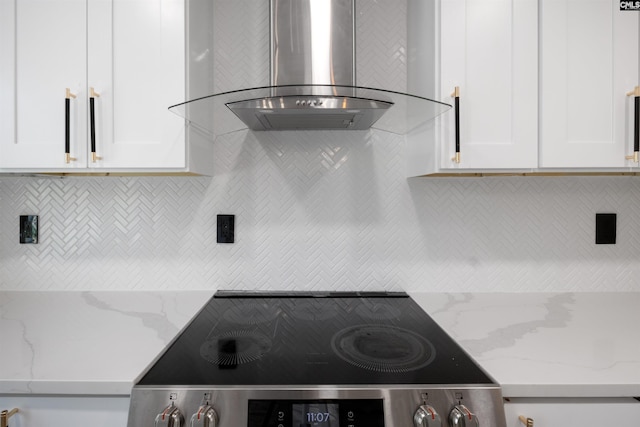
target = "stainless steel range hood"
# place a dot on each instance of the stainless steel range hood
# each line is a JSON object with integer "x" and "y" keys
{"x": 313, "y": 83}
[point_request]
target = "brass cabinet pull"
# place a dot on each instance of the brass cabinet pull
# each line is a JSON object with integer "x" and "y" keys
{"x": 67, "y": 126}
{"x": 526, "y": 421}
{"x": 92, "y": 116}
{"x": 5, "y": 415}
{"x": 634, "y": 92}
{"x": 456, "y": 96}
{"x": 636, "y": 125}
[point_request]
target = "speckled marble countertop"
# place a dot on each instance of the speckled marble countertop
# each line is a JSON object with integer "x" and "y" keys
{"x": 534, "y": 345}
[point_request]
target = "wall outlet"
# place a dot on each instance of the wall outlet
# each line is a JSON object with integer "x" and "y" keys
{"x": 28, "y": 228}
{"x": 605, "y": 229}
{"x": 226, "y": 228}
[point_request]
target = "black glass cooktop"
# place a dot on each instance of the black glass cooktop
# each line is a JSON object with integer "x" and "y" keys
{"x": 313, "y": 339}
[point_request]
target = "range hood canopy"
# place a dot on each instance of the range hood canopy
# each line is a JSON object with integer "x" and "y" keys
{"x": 312, "y": 82}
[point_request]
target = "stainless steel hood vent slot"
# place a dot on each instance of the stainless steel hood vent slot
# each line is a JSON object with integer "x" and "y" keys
{"x": 312, "y": 81}
{"x": 308, "y": 120}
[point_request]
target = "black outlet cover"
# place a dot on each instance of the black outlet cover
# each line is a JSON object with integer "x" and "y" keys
{"x": 605, "y": 229}
{"x": 226, "y": 228}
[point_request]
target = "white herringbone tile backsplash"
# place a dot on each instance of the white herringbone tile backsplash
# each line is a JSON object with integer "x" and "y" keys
{"x": 329, "y": 210}
{"x": 336, "y": 214}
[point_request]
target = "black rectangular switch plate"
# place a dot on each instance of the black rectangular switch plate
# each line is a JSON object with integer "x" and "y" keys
{"x": 605, "y": 229}
{"x": 28, "y": 228}
{"x": 226, "y": 228}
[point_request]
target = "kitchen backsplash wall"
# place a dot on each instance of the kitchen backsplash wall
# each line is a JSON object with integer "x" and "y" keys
{"x": 331, "y": 215}
{"x": 330, "y": 210}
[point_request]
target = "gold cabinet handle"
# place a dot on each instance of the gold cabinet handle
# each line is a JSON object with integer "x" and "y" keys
{"x": 92, "y": 116}
{"x": 456, "y": 96}
{"x": 69, "y": 94}
{"x": 636, "y": 125}
{"x": 526, "y": 421}
{"x": 635, "y": 157}
{"x": 5, "y": 415}
{"x": 634, "y": 92}
{"x": 67, "y": 127}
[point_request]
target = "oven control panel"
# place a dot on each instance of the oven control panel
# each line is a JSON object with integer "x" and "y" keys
{"x": 316, "y": 413}
{"x": 365, "y": 407}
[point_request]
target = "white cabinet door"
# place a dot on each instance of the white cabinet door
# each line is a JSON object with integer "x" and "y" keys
{"x": 589, "y": 61}
{"x": 488, "y": 49}
{"x": 136, "y": 63}
{"x": 131, "y": 52}
{"x": 42, "y": 52}
{"x": 573, "y": 412}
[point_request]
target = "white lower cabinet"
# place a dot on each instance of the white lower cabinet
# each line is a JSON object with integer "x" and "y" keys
{"x": 565, "y": 412}
{"x": 67, "y": 411}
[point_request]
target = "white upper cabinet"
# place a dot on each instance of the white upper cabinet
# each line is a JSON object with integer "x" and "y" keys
{"x": 488, "y": 49}
{"x": 558, "y": 105}
{"x": 42, "y": 53}
{"x": 589, "y": 61}
{"x": 130, "y": 52}
{"x": 136, "y": 62}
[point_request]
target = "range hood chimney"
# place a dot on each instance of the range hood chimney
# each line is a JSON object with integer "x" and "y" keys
{"x": 313, "y": 84}
{"x": 312, "y": 43}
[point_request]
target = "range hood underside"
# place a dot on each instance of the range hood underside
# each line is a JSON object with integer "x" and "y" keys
{"x": 298, "y": 107}
{"x": 309, "y": 112}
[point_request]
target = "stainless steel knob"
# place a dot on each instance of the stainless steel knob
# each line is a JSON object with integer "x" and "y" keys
{"x": 205, "y": 417}
{"x": 460, "y": 416}
{"x": 170, "y": 417}
{"x": 426, "y": 416}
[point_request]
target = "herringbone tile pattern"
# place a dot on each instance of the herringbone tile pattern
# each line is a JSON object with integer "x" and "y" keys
{"x": 330, "y": 210}
{"x": 335, "y": 214}
{"x": 241, "y": 39}
{"x": 381, "y": 32}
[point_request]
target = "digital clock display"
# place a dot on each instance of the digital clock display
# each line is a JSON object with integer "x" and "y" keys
{"x": 316, "y": 413}
{"x": 321, "y": 414}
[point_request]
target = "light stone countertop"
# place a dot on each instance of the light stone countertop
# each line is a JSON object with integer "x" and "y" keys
{"x": 86, "y": 342}
{"x": 548, "y": 345}
{"x": 533, "y": 344}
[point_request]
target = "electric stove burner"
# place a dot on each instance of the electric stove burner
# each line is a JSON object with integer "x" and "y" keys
{"x": 378, "y": 311}
{"x": 251, "y": 313}
{"x": 383, "y": 348}
{"x": 235, "y": 348}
